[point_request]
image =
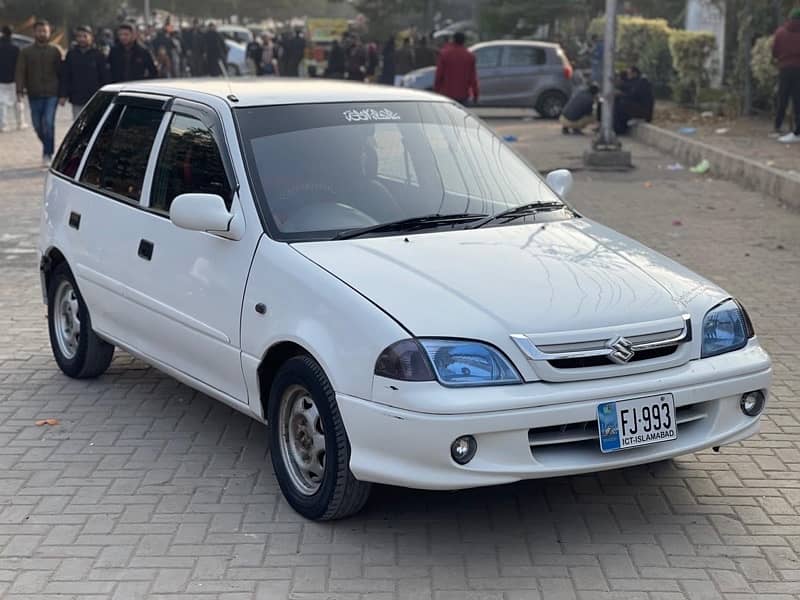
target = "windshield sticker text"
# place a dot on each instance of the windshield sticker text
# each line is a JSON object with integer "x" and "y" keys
{"x": 370, "y": 114}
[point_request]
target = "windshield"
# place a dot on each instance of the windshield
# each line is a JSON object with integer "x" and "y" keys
{"x": 324, "y": 169}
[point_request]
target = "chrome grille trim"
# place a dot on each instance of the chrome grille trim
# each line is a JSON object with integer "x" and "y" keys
{"x": 592, "y": 348}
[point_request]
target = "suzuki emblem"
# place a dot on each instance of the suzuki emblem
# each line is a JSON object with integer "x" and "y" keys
{"x": 621, "y": 350}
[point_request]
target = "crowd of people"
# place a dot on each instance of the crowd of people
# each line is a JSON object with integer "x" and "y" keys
{"x": 48, "y": 78}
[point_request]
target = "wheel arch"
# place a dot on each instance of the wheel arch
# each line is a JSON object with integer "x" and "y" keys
{"x": 275, "y": 356}
{"x": 550, "y": 91}
{"x": 51, "y": 258}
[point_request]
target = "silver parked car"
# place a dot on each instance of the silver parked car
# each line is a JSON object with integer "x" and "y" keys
{"x": 515, "y": 74}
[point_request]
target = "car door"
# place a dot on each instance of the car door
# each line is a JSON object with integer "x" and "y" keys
{"x": 191, "y": 283}
{"x": 522, "y": 66}
{"x": 487, "y": 60}
{"x": 102, "y": 209}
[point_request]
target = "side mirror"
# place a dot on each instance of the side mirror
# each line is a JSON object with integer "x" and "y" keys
{"x": 560, "y": 181}
{"x": 200, "y": 212}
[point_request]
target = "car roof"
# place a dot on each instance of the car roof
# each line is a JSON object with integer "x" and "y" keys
{"x": 515, "y": 43}
{"x": 266, "y": 91}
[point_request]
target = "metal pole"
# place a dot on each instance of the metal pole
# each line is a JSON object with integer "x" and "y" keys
{"x": 607, "y": 135}
{"x": 747, "y": 42}
{"x": 146, "y": 13}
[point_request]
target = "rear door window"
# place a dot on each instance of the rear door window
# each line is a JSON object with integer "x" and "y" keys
{"x": 488, "y": 57}
{"x": 77, "y": 139}
{"x": 118, "y": 159}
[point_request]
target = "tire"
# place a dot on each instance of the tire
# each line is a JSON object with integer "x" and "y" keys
{"x": 551, "y": 104}
{"x": 309, "y": 446}
{"x": 79, "y": 352}
{"x": 233, "y": 70}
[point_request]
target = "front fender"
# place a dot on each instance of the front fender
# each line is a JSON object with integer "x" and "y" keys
{"x": 307, "y": 305}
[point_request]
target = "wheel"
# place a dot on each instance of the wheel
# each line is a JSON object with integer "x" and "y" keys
{"x": 551, "y": 104}
{"x": 79, "y": 352}
{"x": 233, "y": 70}
{"x": 309, "y": 446}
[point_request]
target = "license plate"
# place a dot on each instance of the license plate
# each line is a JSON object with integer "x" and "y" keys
{"x": 638, "y": 422}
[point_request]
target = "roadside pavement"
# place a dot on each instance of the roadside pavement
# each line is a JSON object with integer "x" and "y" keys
{"x": 147, "y": 489}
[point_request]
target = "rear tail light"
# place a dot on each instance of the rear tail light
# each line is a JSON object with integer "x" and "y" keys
{"x": 568, "y": 70}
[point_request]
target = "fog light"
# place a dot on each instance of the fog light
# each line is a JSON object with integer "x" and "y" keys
{"x": 463, "y": 449}
{"x": 752, "y": 403}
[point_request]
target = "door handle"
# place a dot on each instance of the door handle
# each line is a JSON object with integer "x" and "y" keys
{"x": 75, "y": 220}
{"x": 145, "y": 249}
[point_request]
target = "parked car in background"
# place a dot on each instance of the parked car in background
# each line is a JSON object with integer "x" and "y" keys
{"x": 236, "y": 33}
{"x": 376, "y": 275}
{"x": 236, "y": 59}
{"x": 21, "y": 41}
{"x": 515, "y": 74}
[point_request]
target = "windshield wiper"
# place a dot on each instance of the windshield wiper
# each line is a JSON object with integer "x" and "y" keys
{"x": 411, "y": 224}
{"x": 520, "y": 211}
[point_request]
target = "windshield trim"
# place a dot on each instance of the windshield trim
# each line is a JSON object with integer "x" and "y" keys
{"x": 257, "y": 193}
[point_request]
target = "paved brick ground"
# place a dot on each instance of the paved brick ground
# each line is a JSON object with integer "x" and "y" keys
{"x": 149, "y": 489}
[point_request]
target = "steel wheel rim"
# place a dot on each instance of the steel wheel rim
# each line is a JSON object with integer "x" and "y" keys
{"x": 552, "y": 106}
{"x": 66, "y": 318}
{"x": 302, "y": 439}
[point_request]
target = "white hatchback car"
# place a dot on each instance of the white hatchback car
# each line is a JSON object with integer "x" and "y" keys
{"x": 376, "y": 275}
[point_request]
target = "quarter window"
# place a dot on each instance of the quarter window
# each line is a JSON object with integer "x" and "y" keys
{"x": 69, "y": 155}
{"x": 118, "y": 159}
{"x": 525, "y": 56}
{"x": 190, "y": 162}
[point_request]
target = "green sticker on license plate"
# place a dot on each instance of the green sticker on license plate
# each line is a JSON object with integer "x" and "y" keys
{"x": 637, "y": 422}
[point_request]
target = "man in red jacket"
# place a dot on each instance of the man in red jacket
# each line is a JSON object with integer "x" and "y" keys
{"x": 456, "y": 72}
{"x": 786, "y": 50}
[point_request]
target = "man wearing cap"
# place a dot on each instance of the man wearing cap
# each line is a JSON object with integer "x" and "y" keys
{"x": 83, "y": 73}
{"x": 786, "y": 50}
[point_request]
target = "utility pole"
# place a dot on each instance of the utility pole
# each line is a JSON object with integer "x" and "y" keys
{"x": 146, "y": 13}
{"x": 606, "y": 151}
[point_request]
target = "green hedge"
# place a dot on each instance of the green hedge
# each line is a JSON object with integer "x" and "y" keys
{"x": 644, "y": 43}
{"x": 765, "y": 73}
{"x": 690, "y": 52}
{"x": 674, "y": 60}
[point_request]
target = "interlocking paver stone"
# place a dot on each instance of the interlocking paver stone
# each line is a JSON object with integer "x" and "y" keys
{"x": 148, "y": 489}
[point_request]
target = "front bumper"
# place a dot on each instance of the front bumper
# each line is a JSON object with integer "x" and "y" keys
{"x": 412, "y": 449}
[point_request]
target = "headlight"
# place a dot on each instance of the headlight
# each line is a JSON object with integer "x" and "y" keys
{"x": 453, "y": 362}
{"x": 726, "y": 328}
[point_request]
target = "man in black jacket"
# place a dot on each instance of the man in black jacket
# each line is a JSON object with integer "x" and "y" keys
{"x": 83, "y": 72}
{"x": 129, "y": 60}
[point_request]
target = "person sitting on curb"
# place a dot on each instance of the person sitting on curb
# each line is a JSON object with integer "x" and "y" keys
{"x": 579, "y": 111}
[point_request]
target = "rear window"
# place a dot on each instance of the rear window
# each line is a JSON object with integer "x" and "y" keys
{"x": 119, "y": 156}
{"x": 77, "y": 139}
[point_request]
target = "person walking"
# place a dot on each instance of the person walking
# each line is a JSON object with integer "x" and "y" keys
{"x": 295, "y": 52}
{"x": 388, "y": 66}
{"x": 786, "y": 50}
{"x": 403, "y": 61}
{"x": 337, "y": 62}
{"x": 456, "y": 72}
{"x": 84, "y": 71}
{"x": 128, "y": 59}
{"x": 37, "y": 75}
{"x": 9, "y": 54}
{"x": 215, "y": 51}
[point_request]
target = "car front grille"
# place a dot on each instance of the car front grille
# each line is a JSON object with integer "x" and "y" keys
{"x": 584, "y": 435}
{"x": 600, "y": 361}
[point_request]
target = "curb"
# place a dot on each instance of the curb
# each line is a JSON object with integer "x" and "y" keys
{"x": 749, "y": 173}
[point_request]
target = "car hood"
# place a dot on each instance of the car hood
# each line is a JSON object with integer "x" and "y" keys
{"x": 492, "y": 282}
